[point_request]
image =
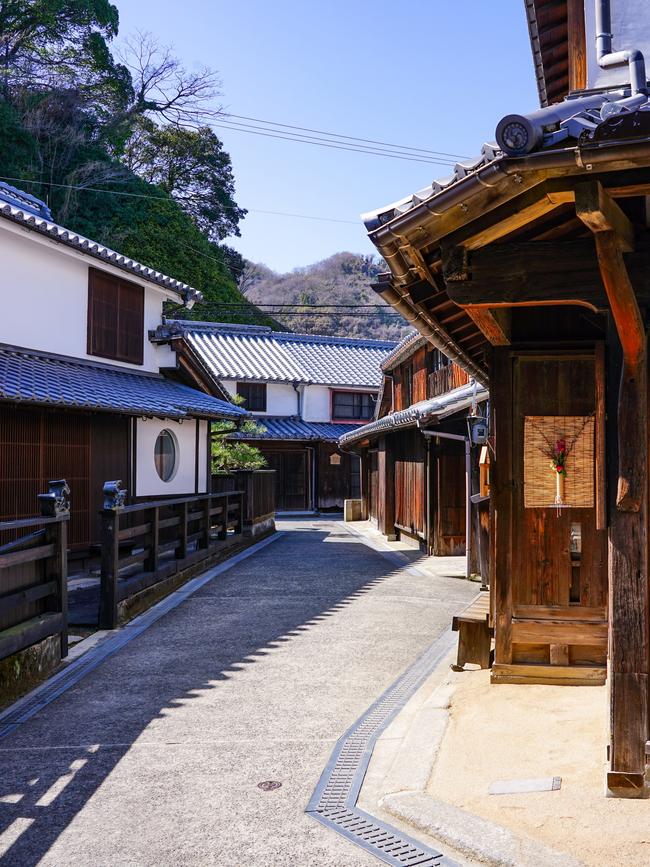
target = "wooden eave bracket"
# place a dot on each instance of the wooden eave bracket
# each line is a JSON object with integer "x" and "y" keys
{"x": 493, "y": 324}
{"x": 614, "y": 235}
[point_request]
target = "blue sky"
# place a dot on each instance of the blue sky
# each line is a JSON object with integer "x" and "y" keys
{"x": 432, "y": 74}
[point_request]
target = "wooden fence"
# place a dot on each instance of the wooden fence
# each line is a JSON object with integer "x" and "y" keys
{"x": 146, "y": 543}
{"x": 258, "y": 487}
{"x": 33, "y": 575}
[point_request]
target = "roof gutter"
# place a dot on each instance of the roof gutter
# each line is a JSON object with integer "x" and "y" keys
{"x": 430, "y": 329}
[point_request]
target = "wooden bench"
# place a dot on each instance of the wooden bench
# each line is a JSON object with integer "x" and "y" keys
{"x": 474, "y": 633}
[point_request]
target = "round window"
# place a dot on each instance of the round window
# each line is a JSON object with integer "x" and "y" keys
{"x": 165, "y": 455}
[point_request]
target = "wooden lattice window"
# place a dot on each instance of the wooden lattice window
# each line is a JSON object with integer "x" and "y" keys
{"x": 115, "y": 317}
{"x": 253, "y": 394}
{"x": 540, "y": 435}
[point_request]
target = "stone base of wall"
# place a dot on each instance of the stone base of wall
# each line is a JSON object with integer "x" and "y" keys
{"x": 260, "y": 528}
{"x": 24, "y": 670}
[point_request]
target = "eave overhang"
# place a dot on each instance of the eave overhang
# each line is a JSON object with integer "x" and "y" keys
{"x": 477, "y": 210}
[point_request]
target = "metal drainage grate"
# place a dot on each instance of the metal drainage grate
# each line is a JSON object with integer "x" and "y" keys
{"x": 334, "y": 800}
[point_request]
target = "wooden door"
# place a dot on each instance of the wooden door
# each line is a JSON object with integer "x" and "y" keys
{"x": 291, "y": 479}
{"x": 451, "y": 494}
{"x": 559, "y": 557}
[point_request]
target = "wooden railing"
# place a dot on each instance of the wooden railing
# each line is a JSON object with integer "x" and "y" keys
{"x": 258, "y": 487}
{"x": 446, "y": 378}
{"x": 34, "y": 574}
{"x": 146, "y": 543}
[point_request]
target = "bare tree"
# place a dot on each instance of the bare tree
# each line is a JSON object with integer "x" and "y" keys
{"x": 163, "y": 88}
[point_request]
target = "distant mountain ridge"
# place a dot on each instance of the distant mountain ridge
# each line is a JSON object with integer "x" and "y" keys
{"x": 343, "y": 278}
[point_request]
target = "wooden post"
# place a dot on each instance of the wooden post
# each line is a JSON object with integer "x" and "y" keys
{"x": 154, "y": 540}
{"x": 629, "y": 643}
{"x": 56, "y": 569}
{"x": 109, "y": 569}
{"x": 501, "y": 492}
{"x": 207, "y": 519}
{"x": 182, "y": 551}
{"x": 364, "y": 480}
{"x": 223, "y": 532}
{"x": 239, "y": 526}
{"x": 386, "y": 483}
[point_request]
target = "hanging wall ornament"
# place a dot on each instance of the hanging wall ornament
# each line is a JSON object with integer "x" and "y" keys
{"x": 558, "y": 462}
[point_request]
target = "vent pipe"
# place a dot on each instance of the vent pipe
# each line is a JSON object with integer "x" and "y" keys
{"x": 608, "y": 58}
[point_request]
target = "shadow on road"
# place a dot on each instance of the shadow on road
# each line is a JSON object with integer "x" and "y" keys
{"x": 53, "y": 764}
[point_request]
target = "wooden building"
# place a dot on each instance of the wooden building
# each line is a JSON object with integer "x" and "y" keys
{"x": 529, "y": 267}
{"x": 418, "y": 463}
{"x": 84, "y": 394}
{"x": 304, "y": 391}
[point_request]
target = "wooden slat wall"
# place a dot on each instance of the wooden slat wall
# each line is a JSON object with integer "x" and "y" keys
{"x": 543, "y": 578}
{"x": 449, "y": 526}
{"x": 37, "y": 446}
{"x": 410, "y": 481}
{"x": 373, "y": 483}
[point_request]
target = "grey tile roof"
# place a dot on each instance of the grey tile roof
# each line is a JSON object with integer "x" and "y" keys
{"x": 296, "y": 429}
{"x": 33, "y": 214}
{"x": 406, "y": 347}
{"x": 35, "y": 378}
{"x": 430, "y": 411}
{"x": 258, "y": 353}
{"x": 567, "y": 124}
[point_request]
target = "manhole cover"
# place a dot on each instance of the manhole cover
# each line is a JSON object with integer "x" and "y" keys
{"x": 269, "y": 785}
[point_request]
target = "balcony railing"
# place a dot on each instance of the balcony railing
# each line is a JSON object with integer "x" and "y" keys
{"x": 445, "y": 379}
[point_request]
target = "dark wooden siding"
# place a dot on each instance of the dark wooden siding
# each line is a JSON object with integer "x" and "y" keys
{"x": 373, "y": 485}
{"x": 39, "y": 445}
{"x": 449, "y": 530}
{"x": 292, "y": 465}
{"x": 410, "y": 481}
{"x": 430, "y": 378}
{"x": 334, "y": 480}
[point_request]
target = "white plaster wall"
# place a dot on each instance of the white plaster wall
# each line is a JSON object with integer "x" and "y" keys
{"x": 148, "y": 483}
{"x": 44, "y": 292}
{"x": 316, "y": 403}
{"x": 281, "y": 398}
{"x": 630, "y": 29}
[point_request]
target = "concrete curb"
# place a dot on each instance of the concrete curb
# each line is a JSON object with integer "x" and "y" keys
{"x": 470, "y": 835}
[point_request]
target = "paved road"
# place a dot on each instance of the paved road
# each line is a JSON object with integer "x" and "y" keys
{"x": 155, "y": 757}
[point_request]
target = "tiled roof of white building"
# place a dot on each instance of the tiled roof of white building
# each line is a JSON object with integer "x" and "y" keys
{"x": 257, "y": 353}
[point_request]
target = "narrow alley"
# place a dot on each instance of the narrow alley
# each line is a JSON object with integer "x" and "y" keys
{"x": 157, "y": 755}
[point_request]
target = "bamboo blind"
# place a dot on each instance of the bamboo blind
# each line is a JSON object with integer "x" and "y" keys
{"x": 539, "y": 475}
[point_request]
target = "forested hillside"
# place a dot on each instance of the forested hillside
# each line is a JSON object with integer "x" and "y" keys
{"x": 118, "y": 144}
{"x": 342, "y": 279}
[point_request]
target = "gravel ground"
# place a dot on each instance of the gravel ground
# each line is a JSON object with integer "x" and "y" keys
{"x": 156, "y": 756}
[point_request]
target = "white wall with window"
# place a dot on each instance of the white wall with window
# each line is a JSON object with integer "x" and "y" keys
{"x": 52, "y": 283}
{"x": 167, "y": 460}
{"x": 281, "y": 398}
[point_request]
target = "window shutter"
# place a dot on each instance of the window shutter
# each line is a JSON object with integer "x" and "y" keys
{"x": 115, "y": 318}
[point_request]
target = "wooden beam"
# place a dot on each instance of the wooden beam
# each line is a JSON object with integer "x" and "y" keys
{"x": 600, "y": 213}
{"x": 537, "y": 273}
{"x": 515, "y": 214}
{"x": 577, "y": 44}
{"x": 494, "y": 324}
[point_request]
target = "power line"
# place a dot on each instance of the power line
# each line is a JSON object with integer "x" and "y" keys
{"x": 285, "y": 304}
{"x": 341, "y": 147}
{"x": 170, "y": 200}
{"x": 348, "y": 137}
